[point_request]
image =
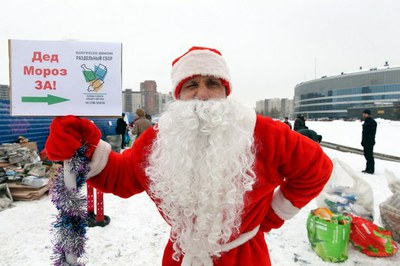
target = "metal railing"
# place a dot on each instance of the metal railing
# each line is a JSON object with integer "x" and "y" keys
{"x": 343, "y": 148}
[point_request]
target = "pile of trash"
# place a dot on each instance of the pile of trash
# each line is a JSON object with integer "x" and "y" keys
{"x": 330, "y": 234}
{"x": 390, "y": 208}
{"x": 15, "y": 153}
{"x": 345, "y": 215}
{"x": 23, "y": 175}
{"x": 347, "y": 193}
{"x": 342, "y": 200}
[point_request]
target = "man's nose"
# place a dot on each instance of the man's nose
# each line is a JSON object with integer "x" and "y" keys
{"x": 203, "y": 92}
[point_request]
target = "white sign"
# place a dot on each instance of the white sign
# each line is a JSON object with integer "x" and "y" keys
{"x": 56, "y": 78}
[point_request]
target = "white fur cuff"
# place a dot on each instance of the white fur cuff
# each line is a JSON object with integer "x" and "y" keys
{"x": 282, "y": 206}
{"x": 99, "y": 158}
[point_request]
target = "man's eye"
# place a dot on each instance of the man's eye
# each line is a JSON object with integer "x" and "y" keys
{"x": 192, "y": 85}
{"x": 213, "y": 83}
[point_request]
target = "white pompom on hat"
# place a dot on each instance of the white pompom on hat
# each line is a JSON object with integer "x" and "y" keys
{"x": 199, "y": 61}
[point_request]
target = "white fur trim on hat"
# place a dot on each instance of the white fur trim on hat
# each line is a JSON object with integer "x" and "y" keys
{"x": 199, "y": 62}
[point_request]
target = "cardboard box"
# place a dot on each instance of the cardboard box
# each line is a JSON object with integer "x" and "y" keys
{"x": 27, "y": 193}
{"x": 30, "y": 145}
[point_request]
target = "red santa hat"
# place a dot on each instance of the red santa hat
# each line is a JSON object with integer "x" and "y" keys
{"x": 199, "y": 61}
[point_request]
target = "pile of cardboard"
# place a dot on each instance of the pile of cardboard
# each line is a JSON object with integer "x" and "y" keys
{"x": 23, "y": 172}
{"x": 18, "y": 154}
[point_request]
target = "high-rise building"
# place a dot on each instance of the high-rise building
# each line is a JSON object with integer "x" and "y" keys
{"x": 262, "y": 107}
{"x": 287, "y": 107}
{"x": 148, "y": 89}
{"x": 274, "y": 105}
{"x": 275, "y": 108}
{"x": 132, "y": 100}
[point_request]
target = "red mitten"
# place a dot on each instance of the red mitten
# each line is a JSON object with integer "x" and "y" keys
{"x": 68, "y": 134}
{"x": 271, "y": 221}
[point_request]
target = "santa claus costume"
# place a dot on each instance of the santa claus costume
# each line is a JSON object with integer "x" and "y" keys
{"x": 220, "y": 175}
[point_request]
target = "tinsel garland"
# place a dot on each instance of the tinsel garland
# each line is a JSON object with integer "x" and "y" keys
{"x": 69, "y": 229}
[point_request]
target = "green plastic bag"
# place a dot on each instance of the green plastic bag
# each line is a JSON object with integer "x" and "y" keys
{"x": 329, "y": 239}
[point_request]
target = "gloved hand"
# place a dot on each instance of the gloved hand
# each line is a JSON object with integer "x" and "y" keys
{"x": 271, "y": 221}
{"x": 68, "y": 134}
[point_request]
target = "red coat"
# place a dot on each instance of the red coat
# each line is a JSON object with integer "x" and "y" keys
{"x": 283, "y": 158}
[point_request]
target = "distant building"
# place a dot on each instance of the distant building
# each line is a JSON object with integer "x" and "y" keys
{"x": 132, "y": 100}
{"x": 148, "y": 89}
{"x": 390, "y": 111}
{"x": 147, "y": 98}
{"x": 275, "y": 108}
{"x": 287, "y": 107}
{"x": 332, "y": 97}
{"x": 261, "y": 107}
{"x": 163, "y": 99}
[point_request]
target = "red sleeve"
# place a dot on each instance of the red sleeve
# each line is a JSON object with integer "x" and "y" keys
{"x": 305, "y": 166}
{"x": 301, "y": 162}
{"x": 124, "y": 174}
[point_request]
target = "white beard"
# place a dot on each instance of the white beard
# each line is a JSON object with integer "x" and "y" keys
{"x": 200, "y": 167}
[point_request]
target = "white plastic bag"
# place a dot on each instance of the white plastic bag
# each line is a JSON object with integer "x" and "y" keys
{"x": 390, "y": 208}
{"x": 393, "y": 181}
{"x": 346, "y": 192}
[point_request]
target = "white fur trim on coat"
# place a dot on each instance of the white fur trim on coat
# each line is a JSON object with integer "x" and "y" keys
{"x": 249, "y": 118}
{"x": 99, "y": 158}
{"x": 200, "y": 62}
{"x": 207, "y": 261}
{"x": 282, "y": 206}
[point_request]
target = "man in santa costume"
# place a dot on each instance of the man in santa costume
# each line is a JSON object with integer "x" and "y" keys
{"x": 220, "y": 175}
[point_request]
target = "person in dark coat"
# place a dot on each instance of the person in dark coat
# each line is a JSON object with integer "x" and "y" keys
{"x": 311, "y": 134}
{"x": 148, "y": 117}
{"x": 121, "y": 129}
{"x": 299, "y": 123}
{"x": 286, "y": 121}
{"x": 368, "y": 140}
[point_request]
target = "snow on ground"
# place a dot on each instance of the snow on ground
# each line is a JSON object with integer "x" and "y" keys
{"x": 290, "y": 243}
{"x": 137, "y": 234}
{"x": 349, "y": 134}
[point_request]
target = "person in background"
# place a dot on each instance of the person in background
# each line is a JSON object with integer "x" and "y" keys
{"x": 311, "y": 134}
{"x": 220, "y": 175}
{"x": 141, "y": 123}
{"x": 368, "y": 140}
{"x": 148, "y": 117}
{"x": 286, "y": 121}
{"x": 299, "y": 123}
{"x": 121, "y": 129}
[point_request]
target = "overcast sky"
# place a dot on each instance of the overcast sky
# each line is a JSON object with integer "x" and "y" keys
{"x": 270, "y": 46}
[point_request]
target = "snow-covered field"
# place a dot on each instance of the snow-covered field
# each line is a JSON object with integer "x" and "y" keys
{"x": 349, "y": 134}
{"x": 137, "y": 234}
